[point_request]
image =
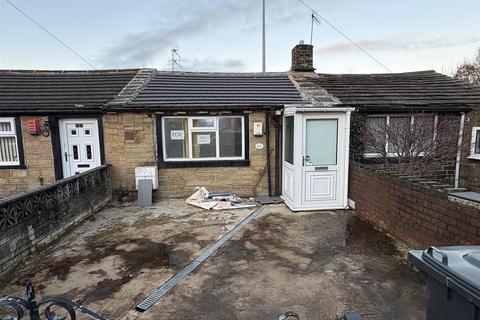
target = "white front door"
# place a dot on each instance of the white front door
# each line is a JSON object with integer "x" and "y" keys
{"x": 323, "y": 164}
{"x": 79, "y": 139}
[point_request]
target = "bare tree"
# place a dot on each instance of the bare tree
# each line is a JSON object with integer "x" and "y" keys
{"x": 419, "y": 141}
{"x": 469, "y": 71}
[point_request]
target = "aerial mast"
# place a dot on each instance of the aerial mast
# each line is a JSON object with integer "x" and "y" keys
{"x": 263, "y": 38}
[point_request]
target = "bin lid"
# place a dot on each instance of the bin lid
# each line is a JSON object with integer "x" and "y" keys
{"x": 458, "y": 267}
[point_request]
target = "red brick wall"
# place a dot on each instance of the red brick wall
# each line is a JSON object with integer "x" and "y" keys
{"x": 470, "y": 168}
{"x": 412, "y": 213}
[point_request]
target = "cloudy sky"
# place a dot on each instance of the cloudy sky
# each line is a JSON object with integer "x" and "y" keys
{"x": 225, "y": 35}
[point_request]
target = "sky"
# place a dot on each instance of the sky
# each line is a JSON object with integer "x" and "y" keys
{"x": 225, "y": 35}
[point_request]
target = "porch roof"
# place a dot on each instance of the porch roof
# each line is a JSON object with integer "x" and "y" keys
{"x": 401, "y": 92}
{"x": 36, "y": 91}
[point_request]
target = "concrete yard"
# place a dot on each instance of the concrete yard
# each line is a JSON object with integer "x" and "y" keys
{"x": 320, "y": 264}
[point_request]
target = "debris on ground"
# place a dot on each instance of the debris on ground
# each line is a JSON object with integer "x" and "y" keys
{"x": 217, "y": 200}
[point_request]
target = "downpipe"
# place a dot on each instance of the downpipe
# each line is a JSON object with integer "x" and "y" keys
{"x": 459, "y": 150}
{"x": 278, "y": 155}
{"x": 267, "y": 147}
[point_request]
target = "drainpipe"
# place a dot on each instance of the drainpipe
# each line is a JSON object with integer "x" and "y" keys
{"x": 459, "y": 150}
{"x": 278, "y": 153}
{"x": 267, "y": 147}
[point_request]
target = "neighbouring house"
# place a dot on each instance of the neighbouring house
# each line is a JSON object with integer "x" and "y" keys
{"x": 284, "y": 133}
{"x": 417, "y": 99}
{"x": 36, "y": 107}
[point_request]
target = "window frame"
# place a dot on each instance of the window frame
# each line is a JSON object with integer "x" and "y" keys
{"x": 217, "y": 161}
{"x": 17, "y": 133}
{"x": 473, "y": 155}
{"x": 372, "y": 155}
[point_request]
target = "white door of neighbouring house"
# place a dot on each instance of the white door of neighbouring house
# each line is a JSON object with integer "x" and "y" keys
{"x": 315, "y": 162}
{"x": 80, "y": 145}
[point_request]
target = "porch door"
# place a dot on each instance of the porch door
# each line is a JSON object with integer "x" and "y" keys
{"x": 79, "y": 139}
{"x": 323, "y": 161}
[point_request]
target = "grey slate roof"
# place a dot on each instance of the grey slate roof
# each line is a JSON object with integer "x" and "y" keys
{"x": 147, "y": 89}
{"x": 60, "y": 91}
{"x": 423, "y": 90}
{"x": 181, "y": 90}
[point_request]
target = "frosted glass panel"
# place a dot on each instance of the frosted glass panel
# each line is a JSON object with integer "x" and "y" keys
{"x": 289, "y": 126}
{"x": 321, "y": 144}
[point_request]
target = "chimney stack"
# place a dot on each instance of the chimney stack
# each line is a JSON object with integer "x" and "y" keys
{"x": 302, "y": 57}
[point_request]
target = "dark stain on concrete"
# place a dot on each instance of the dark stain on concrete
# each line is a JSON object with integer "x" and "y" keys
{"x": 99, "y": 272}
{"x": 363, "y": 267}
{"x": 136, "y": 254}
{"x": 105, "y": 289}
{"x": 362, "y": 235}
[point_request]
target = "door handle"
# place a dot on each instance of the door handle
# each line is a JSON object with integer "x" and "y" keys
{"x": 66, "y": 156}
{"x": 305, "y": 159}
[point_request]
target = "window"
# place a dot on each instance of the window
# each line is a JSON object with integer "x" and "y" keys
{"x": 422, "y": 129}
{"x": 375, "y": 135}
{"x": 289, "y": 125}
{"x": 9, "y": 155}
{"x": 203, "y": 138}
{"x": 475, "y": 144}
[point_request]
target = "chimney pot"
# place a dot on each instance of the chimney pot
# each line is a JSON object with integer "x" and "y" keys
{"x": 302, "y": 57}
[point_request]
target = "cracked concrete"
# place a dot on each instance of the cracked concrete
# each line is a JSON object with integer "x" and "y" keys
{"x": 320, "y": 264}
{"x": 115, "y": 259}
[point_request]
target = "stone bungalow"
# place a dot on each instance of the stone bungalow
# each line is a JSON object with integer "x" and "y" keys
{"x": 250, "y": 133}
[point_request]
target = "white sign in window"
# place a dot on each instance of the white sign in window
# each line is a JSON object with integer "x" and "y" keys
{"x": 203, "y": 139}
{"x": 177, "y": 135}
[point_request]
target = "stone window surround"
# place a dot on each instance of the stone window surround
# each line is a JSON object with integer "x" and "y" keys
{"x": 244, "y": 161}
{"x": 475, "y": 133}
{"x": 17, "y": 133}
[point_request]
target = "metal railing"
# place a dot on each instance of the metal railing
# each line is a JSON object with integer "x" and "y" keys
{"x": 44, "y": 201}
{"x": 54, "y": 308}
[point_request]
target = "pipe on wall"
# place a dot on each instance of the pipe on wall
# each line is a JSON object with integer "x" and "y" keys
{"x": 278, "y": 154}
{"x": 267, "y": 147}
{"x": 459, "y": 150}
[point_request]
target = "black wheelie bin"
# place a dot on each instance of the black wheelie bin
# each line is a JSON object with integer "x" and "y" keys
{"x": 453, "y": 280}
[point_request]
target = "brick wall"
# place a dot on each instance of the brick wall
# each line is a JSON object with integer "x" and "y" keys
{"x": 130, "y": 141}
{"x": 470, "y": 168}
{"x": 38, "y": 159}
{"x": 442, "y": 172}
{"x": 413, "y": 213}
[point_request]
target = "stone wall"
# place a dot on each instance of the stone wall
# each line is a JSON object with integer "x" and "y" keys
{"x": 244, "y": 181}
{"x": 38, "y": 160}
{"x": 418, "y": 215}
{"x": 130, "y": 141}
{"x": 470, "y": 168}
{"x": 31, "y": 221}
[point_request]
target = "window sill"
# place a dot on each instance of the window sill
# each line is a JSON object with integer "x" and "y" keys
{"x": 474, "y": 157}
{"x": 16, "y": 166}
{"x": 204, "y": 164}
